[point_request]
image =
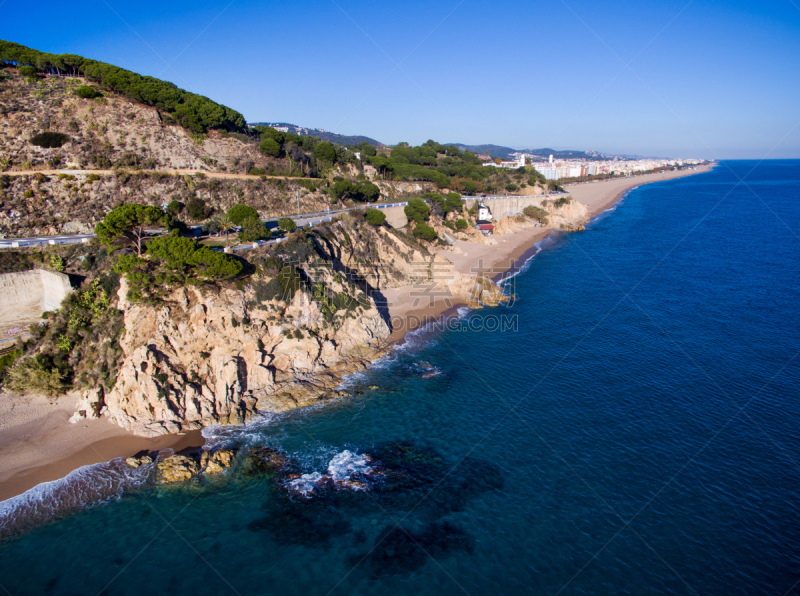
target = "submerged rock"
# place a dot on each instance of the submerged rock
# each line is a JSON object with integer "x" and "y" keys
{"x": 264, "y": 460}
{"x": 177, "y": 468}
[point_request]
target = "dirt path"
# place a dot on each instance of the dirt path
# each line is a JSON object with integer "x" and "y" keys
{"x": 173, "y": 172}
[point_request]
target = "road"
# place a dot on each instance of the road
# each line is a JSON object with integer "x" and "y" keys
{"x": 173, "y": 172}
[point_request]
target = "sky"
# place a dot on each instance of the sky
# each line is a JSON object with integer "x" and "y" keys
{"x": 709, "y": 79}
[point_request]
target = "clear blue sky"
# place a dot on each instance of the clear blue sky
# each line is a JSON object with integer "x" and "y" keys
{"x": 695, "y": 79}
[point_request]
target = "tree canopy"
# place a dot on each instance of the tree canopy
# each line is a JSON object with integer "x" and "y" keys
{"x": 239, "y": 213}
{"x": 375, "y": 217}
{"x": 190, "y": 110}
{"x": 287, "y": 224}
{"x": 417, "y": 210}
{"x": 128, "y": 224}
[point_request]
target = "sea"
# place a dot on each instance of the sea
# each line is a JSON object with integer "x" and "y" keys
{"x": 628, "y": 424}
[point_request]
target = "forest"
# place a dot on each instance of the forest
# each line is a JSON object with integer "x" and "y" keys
{"x": 192, "y": 111}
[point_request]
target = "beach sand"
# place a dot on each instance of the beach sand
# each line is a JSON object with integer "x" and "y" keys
{"x": 38, "y": 444}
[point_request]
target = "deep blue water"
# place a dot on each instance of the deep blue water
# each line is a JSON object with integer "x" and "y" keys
{"x": 636, "y": 434}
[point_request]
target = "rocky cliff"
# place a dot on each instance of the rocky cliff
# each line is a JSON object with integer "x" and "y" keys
{"x": 213, "y": 356}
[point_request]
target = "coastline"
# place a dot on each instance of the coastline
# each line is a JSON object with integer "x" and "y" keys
{"x": 37, "y": 444}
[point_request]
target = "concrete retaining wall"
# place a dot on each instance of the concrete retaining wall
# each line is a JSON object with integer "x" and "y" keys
{"x": 508, "y": 205}
{"x": 48, "y": 287}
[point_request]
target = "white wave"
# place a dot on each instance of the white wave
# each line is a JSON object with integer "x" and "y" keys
{"x": 341, "y": 470}
{"x": 306, "y": 484}
{"x": 422, "y": 335}
{"x": 219, "y": 435}
{"x": 345, "y": 464}
{"x": 84, "y": 487}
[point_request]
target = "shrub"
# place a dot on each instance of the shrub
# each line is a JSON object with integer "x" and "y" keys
{"x": 256, "y": 172}
{"x": 536, "y": 213}
{"x": 29, "y": 72}
{"x": 287, "y": 224}
{"x": 425, "y": 232}
{"x": 469, "y": 186}
{"x": 86, "y": 92}
{"x": 417, "y": 210}
{"x": 36, "y": 375}
{"x": 57, "y": 263}
{"x": 290, "y": 282}
{"x": 462, "y": 224}
{"x": 197, "y": 208}
{"x": 174, "y": 207}
{"x": 271, "y": 290}
{"x": 6, "y": 362}
{"x": 511, "y": 187}
{"x": 375, "y": 217}
{"x": 49, "y": 140}
{"x": 369, "y": 192}
{"x": 28, "y": 194}
{"x": 253, "y": 229}
{"x": 270, "y": 147}
{"x": 325, "y": 152}
{"x": 239, "y": 213}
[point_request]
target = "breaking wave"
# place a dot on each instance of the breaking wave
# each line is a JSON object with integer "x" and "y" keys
{"x": 85, "y": 487}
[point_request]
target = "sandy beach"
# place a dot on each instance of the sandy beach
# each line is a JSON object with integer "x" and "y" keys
{"x": 38, "y": 444}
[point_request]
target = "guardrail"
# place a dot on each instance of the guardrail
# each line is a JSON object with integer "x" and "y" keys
{"x": 82, "y": 238}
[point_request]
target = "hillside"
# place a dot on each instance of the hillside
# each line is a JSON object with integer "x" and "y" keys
{"x": 331, "y": 137}
{"x": 505, "y": 152}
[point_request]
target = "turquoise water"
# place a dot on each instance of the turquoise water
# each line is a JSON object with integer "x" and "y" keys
{"x": 636, "y": 433}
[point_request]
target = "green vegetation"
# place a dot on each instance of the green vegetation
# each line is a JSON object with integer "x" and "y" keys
{"x": 192, "y": 111}
{"x": 445, "y": 204}
{"x": 417, "y": 210}
{"x": 128, "y": 225}
{"x": 425, "y": 232}
{"x": 197, "y": 209}
{"x": 29, "y": 72}
{"x": 57, "y": 263}
{"x": 6, "y": 362}
{"x": 461, "y": 224}
{"x": 536, "y": 213}
{"x": 375, "y": 217}
{"x": 174, "y": 208}
{"x": 49, "y": 140}
{"x": 444, "y": 165}
{"x": 79, "y": 345}
{"x": 253, "y": 229}
{"x": 86, "y": 92}
{"x": 239, "y": 213}
{"x": 287, "y": 224}
{"x": 174, "y": 261}
{"x": 344, "y": 189}
{"x": 38, "y": 374}
{"x": 270, "y": 147}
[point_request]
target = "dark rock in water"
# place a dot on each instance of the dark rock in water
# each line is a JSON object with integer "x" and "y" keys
{"x": 264, "y": 460}
{"x": 307, "y": 522}
{"x": 398, "y": 550}
{"x": 408, "y": 475}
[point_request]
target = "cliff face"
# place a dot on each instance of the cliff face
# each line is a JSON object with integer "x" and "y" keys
{"x": 206, "y": 357}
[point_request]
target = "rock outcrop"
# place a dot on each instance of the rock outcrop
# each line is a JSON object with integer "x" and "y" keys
{"x": 205, "y": 357}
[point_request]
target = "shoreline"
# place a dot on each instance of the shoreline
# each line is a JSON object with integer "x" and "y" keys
{"x": 38, "y": 444}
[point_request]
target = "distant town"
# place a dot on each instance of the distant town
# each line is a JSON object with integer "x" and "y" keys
{"x": 562, "y": 169}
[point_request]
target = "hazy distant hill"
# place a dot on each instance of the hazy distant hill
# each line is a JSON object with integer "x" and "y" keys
{"x": 505, "y": 152}
{"x": 322, "y": 134}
